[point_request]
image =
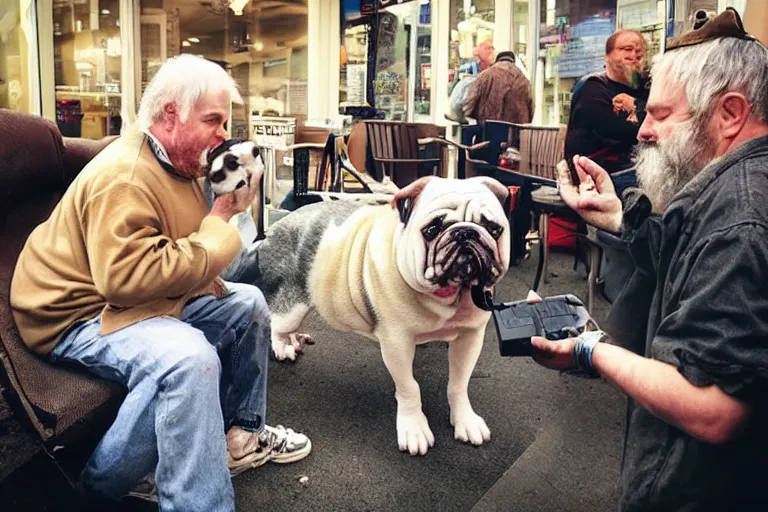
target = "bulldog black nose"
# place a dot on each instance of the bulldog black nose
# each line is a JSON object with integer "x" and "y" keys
{"x": 462, "y": 235}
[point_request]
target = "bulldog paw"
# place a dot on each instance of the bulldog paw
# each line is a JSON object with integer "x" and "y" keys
{"x": 471, "y": 428}
{"x": 414, "y": 434}
{"x": 298, "y": 340}
{"x": 283, "y": 351}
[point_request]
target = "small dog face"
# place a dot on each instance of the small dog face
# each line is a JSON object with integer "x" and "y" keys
{"x": 233, "y": 165}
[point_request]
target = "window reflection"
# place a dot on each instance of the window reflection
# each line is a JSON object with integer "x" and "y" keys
{"x": 571, "y": 44}
{"x": 471, "y": 29}
{"x": 15, "y": 56}
{"x": 572, "y": 40}
{"x": 398, "y": 82}
{"x": 263, "y": 46}
{"x": 87, "y": 67}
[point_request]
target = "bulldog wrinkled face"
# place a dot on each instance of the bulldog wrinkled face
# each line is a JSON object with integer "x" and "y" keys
{"x": 233, "y": 165}
{"x": 458, "y": 237}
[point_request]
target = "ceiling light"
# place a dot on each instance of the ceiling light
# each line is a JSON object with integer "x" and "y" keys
{"x": 193, "y": 40}
{"x": 237, "y": 6}
{"x": 186, "y": 43}
{"x": 105, "y": 11}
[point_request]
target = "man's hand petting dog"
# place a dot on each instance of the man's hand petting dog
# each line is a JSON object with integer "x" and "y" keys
{"x": 237, "y": 201}
{"x": 594, "y": 199}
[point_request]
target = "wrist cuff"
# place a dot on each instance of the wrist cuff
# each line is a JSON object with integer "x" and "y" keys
{"x": 582, "y": 351}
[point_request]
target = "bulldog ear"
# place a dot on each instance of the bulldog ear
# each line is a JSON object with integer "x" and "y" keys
{"x": 404, "y": 207}
{"x": 500, "y": 191}
{"x": 405, "y": 197}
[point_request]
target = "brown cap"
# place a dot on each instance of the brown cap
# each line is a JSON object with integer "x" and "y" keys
{"x": 726, "y": 24}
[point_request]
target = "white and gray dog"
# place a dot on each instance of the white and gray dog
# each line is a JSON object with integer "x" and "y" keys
{"x": 399, "y": 276}
{"x": 232, "y": 164}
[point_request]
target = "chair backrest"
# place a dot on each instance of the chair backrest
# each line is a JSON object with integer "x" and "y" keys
{"x": 540, "y": 150}
{"x": 395, "y": 151}
{"x": 37, "y": 167}
{"x": 541, "y": 147}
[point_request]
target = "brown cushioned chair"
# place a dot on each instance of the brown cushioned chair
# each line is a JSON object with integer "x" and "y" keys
{"x": 65, "y": 406}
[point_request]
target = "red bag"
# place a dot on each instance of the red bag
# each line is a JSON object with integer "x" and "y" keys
{"x": 562, "y": 233}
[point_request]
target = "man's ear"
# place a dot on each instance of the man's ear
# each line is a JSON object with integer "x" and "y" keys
{"x": 731, "y": 113}
{"x": 406, "y": 197}
{"x": 170, "y": 115}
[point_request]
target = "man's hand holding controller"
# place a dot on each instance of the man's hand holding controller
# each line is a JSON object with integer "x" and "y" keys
{"x": 571, "y": 354}
{"x": 594, "y": 197}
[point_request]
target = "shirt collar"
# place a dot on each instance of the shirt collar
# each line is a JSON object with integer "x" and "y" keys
{"x": 161, "y": 154}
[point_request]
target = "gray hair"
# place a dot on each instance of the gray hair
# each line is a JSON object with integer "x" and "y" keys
{"x": 708, "y": 70}
{"x": 183, "y": 80}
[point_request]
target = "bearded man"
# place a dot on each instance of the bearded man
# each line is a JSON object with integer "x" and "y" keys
{"x": 693, "y": 320}
{"x": 607, "y": 109}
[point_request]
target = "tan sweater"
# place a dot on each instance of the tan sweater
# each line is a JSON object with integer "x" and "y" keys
{"x": 128, "y": 240}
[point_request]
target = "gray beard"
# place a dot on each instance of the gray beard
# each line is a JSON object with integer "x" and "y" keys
{"x": 663, "y": 168}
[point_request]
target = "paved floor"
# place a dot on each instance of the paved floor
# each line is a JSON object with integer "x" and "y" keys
{"x": 551, "y": 432}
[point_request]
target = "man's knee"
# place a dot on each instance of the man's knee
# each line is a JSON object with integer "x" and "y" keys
{"x": 252, "y": 302}
{"x": 196, "y": 358}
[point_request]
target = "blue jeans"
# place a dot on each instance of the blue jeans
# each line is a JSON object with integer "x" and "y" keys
{"x": 188, "y": 381}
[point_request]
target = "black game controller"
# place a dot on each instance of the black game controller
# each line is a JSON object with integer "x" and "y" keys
{"x": 556, "y": 318}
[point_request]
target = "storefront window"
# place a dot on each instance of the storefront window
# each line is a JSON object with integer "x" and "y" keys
{"x": 571, "y": 44}
{"x": 15, "y": 32}
{"x": 353, "y": 62}
{"x": 399, "y": 37}
{"x": 647, "y": 17}
{"x": 262, "y": 45}
{"x": 87, "y": 66}
{"x": 520, "y": 33}
{"x": 471, "y": 23}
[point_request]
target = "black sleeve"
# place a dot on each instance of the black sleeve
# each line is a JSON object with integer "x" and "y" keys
{"x": 596, "y": 109}
{"x": 718, "y": 333}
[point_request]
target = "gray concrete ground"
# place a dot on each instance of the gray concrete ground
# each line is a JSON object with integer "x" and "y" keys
{"x": 551, "y": 432}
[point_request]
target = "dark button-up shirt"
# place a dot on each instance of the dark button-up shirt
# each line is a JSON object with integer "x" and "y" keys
{"x": 698, "y": 300}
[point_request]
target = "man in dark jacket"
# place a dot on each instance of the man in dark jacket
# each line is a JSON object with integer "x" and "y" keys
{"x": 607, "y": 109}
{"x": 500, "y": 93}
{"x": 692, "y": 323}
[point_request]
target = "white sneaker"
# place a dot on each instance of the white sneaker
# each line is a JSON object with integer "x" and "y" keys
{"x": 246, "y": 450}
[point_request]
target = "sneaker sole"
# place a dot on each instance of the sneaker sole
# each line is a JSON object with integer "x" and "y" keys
{"x": 247, "y": 463}
{"x": 295, "y": 456}
{"x": 143, "y": 496}
{"x": 244, "y": 464}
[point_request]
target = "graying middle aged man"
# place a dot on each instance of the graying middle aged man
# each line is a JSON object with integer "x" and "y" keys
{"x": 123, "y": 280}
{"x": 694, "y": 317}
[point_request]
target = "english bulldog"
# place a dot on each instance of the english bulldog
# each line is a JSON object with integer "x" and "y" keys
{"x": 399, "y": 275}
{"x": 232, "y": 164}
